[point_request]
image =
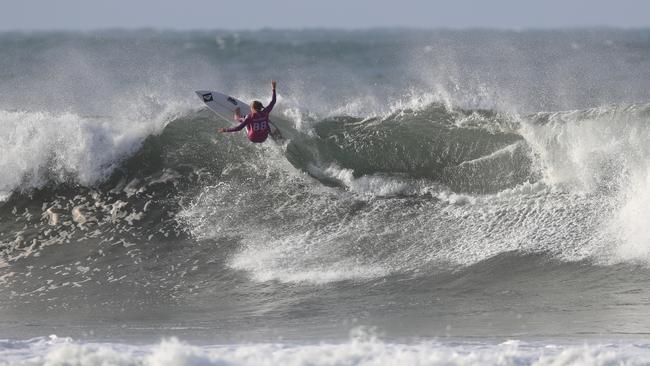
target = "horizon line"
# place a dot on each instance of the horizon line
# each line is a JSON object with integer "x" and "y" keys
{"x": 323, "y": 28}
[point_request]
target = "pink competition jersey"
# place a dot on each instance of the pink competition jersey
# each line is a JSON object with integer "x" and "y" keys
{"x": 257, "y": 123}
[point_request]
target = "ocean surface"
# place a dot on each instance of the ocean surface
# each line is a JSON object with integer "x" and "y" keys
{"x": 440, "y": 197}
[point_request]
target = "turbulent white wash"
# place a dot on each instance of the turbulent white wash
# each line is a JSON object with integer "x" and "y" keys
{"x": 55, "y": 351}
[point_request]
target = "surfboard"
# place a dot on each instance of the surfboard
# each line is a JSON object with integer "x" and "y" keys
{"x": 223, "y": 105}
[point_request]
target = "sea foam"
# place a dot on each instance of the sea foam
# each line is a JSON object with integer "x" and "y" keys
{"x": 356, "y": 352}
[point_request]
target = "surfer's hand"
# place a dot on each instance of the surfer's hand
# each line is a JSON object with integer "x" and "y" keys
{"x": 221, "y": 130}
{"x": 273, "y": 83}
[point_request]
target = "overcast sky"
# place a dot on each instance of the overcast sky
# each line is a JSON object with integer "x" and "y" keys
{"x": 255, "y": 14}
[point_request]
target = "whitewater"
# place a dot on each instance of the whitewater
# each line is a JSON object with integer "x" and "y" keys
{"x": 440, "y": 197}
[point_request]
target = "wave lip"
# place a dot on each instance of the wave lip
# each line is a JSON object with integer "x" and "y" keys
{"x": 44, "y": 147}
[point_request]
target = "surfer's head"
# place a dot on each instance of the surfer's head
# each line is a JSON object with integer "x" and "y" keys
{"x": 257, "y": 106}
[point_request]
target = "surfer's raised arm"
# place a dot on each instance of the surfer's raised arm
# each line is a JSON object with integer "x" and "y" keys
{"x": 272, "y": 102}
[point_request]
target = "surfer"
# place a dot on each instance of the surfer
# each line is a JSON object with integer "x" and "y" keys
{"x": 257, "y": 122}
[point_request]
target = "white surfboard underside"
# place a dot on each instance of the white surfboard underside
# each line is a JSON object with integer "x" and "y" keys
{"x": 223, "y": 105}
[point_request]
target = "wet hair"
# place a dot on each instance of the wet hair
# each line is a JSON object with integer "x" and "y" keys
{"x": 257, "y": 105}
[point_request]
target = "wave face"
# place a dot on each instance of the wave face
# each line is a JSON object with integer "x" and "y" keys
{"x": 429, "y": 184}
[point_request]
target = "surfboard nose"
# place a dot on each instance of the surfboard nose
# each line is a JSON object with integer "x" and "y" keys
{"x": 207, "y": 97}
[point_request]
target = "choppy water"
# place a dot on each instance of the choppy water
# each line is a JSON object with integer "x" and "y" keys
{"x": 446, "y": 197}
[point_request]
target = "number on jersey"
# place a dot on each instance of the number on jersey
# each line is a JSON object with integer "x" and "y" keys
{"x": 259, "y": 126}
